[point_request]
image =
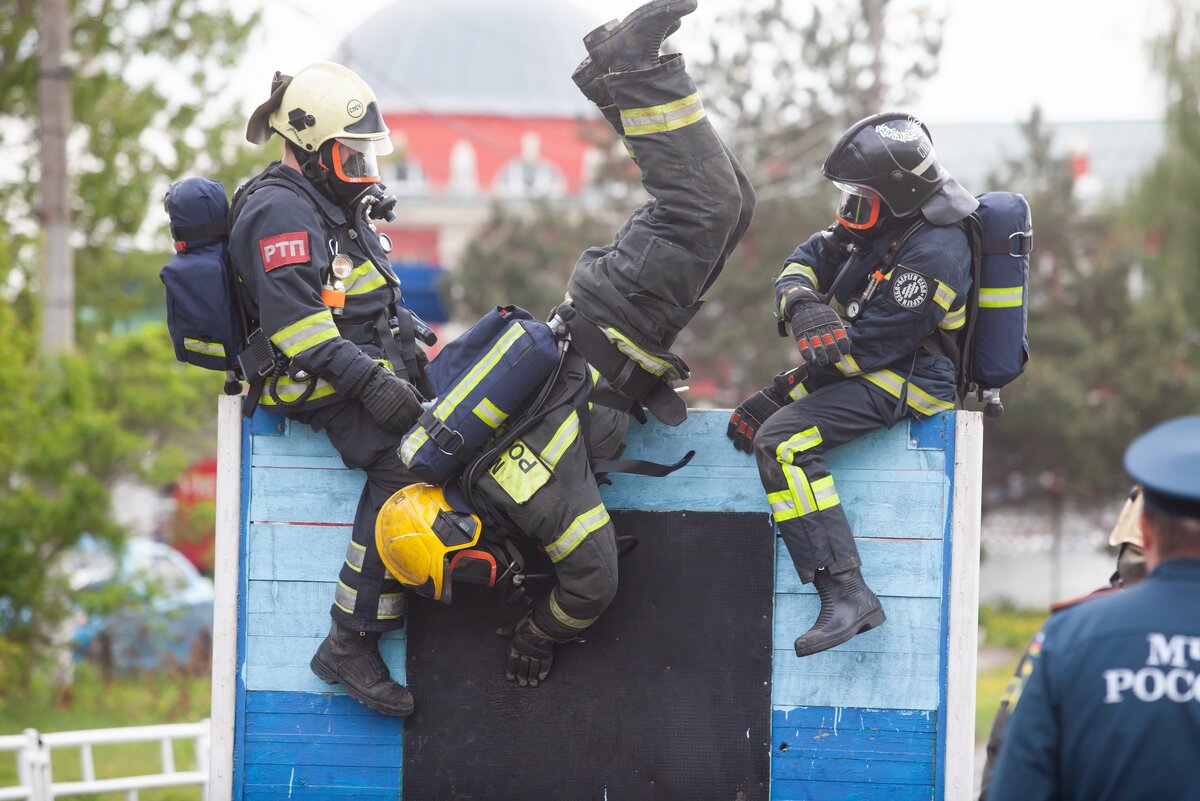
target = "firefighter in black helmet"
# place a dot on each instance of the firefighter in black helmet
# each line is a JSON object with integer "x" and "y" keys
{"x": 874, "y": 303}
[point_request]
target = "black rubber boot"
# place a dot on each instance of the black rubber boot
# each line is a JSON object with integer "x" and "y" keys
{"x": 351, "y": 658}
{"x": 848, "y": 607}
{"x": 633, "y": 44}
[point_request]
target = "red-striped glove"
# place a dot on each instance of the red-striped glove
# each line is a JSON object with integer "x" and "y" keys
{"x": 749, "y": 416}
{"x": 820, "y": 334}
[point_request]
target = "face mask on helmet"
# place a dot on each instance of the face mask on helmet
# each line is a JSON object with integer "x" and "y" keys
{"x": 859, "y": 207}
{"x": 354, "y": 160}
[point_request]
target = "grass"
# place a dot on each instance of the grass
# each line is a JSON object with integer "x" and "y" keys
{"x": 1010, "y": 629}
{"x": 94, "y": 702}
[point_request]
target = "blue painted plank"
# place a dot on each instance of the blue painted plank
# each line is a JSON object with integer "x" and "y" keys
{"x": 340, "y": 728}
{"x": 934, "y": 432}
{"x": 861, "y": 679}
{"x": 874, "y": 769}
{"x": 291, "y": 608}
{"x": 266, "y": 424}
{"x": 317, "y": 752}
{"x": 280, "y": 664}
{"x": 381, "y": 778}
{"x": 910, "y": 568}
{"x": 296, "y": 495}
{"x": 847, "y": 791}
{"x": 320, "y": 704}
{"x": 840, "y": 719}
{"x": 296, "y": 553}
{"x": 296, "y": 792}
{"x": 911, "y": 627}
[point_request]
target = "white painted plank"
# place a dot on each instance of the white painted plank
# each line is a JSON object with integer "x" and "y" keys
{"x": 225, "y": 596}
{"x": 962, "y": 647}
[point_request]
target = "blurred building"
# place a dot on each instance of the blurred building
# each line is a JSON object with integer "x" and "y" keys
{"x": 479, "y": 99}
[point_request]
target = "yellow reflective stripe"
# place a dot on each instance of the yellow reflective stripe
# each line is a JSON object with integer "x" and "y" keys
{"x": 955, "y": 319}
{"x": 481, "y": 368}
{"x": 918, "y": 399}
{"x": 662, "y": 118}
{"x": 358, "y": 282}
{"x": 825, "y": 493}
{"x": 391, "y": 604}
{"x": 564, "y": 618}
{"x": 944, "y": 296}
{"x": 797, "y": 392}
{"x": 575, "y": 533}
{"x": 1003, "y": 297}
{"x": 562, "y": 439}
{"x": 797, "y": 443}
{"x": 289, "y": 390}
{"x": 202, "y": 347}
{"x": 651, "y": 364}
{"x": 305, "y": 333}
{"x": 783, "y": 506}
{"x": 802, "y": 270}
{"x": 847, "y": 366}
{"x": 354, "y": 556}
{"x": 488, "y": 413}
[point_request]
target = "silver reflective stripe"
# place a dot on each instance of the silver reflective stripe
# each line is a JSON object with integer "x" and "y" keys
{"x": 488, "y": 413}
{"x": 391, "y": 604}
{"x": 918, "y": 399}
{"x": 648, "y": 362}
{"x": 412, "y": 443}
{"x": 562, "y": 439}
{"x": 955, "y": 319}
{"x": 354, "y": 556}
{"x": 801, "y": 491}
{"x": 944, "y": 296}
{"x": 468, "y": 383}
{"x": 361, "y": 280}
{"x": 847, "y": 366}
{"x": 825, "y": 493}
{"x": 1003, "y": 297}
{"x": 564, "y": 618}
{"x": 570, "y": 539}
{"x": 797, "y": 443}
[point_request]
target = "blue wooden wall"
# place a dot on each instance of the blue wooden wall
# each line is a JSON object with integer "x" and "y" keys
{"x": 858, "y": 722}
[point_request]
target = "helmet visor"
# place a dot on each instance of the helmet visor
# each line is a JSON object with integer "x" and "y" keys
{"x": 858, "y": 208}
{"x": 354, "y": 160}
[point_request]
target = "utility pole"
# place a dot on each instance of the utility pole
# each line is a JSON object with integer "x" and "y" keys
{"x": 54, "y": 118}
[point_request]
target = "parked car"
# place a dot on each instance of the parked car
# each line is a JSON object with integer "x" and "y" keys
{"x": 158, "y": 607}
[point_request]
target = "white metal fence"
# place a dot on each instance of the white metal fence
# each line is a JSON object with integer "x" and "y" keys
{"x": 35, "y": 765}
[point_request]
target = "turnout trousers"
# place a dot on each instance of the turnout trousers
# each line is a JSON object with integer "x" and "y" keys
{"x": 367, "y": 597}
{"x": 562, "y": 510}
{"x": 790, "y": 450}
{"x": 646, "y": 285}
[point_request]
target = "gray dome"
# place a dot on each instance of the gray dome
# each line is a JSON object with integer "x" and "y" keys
{"x": 473, "y": 56}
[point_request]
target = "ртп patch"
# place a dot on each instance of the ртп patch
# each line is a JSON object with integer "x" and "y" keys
{"x": 911, "y": 289}
{"x": 283, "y": 249}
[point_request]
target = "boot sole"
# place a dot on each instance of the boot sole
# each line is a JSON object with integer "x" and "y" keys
{"x": 608, "y": 30}
{"x": 329, "y": 677}
{"x": 866, "y": 623}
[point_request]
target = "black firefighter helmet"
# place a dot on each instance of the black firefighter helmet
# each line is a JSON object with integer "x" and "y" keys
{"x": 889, "y": 157}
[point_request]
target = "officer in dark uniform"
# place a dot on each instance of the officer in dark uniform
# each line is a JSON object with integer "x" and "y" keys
{"x": 319, "y": 282}
{"x": 1111, "y": 708}
{"x": 875, "y": 304}
{"x": 1131, "y": 568}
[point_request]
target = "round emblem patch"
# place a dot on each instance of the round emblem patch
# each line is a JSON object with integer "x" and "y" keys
{"x": 910, "y": 290}
{"x": 354, "y": 108}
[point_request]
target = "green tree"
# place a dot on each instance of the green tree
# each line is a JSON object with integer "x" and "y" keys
{"x": 145, "y": 94}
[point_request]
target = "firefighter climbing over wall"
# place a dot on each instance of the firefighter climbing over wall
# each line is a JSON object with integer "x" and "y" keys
{"x": 874, "y": 303}
{"x": 626, "y": 303}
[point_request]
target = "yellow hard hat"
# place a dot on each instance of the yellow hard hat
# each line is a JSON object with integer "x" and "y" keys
{"x": 419, "y": 535}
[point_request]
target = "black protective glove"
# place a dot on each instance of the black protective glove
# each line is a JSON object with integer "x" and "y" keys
{"x": 749, "y": 416}
{"x": 530, "y": 655}
{"x": 819, "y": 332}
{"x": 391, "y": 400}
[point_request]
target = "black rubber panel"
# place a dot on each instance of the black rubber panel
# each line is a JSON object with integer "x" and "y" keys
{"x": 668, "y": 698}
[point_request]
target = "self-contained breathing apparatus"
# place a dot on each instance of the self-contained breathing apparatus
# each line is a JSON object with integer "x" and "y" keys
{"x": 992, "y": 348}
{"x": 213, "y": 324}
{"x": 494, "y": 383}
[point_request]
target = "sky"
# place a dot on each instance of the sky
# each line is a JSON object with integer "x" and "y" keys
{"x": 1078, "y": 59}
